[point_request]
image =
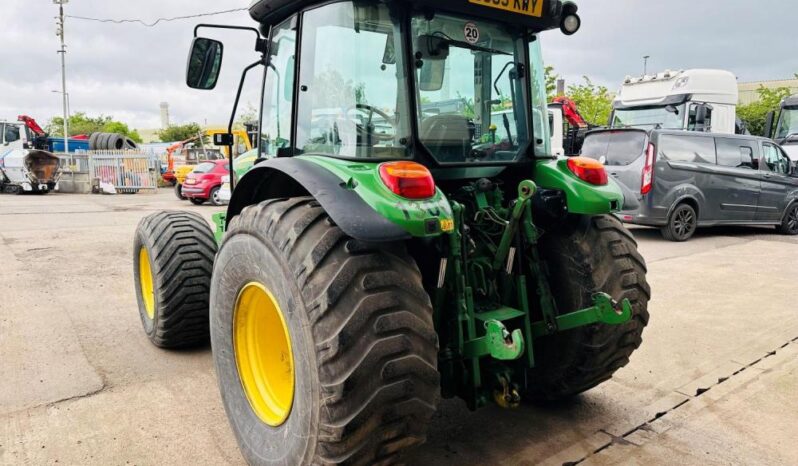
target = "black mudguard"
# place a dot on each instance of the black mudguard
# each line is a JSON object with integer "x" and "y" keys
{"x": 290, "y": 177}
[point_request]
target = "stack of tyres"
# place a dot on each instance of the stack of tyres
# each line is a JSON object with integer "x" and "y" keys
{"x": 111, "y": 141}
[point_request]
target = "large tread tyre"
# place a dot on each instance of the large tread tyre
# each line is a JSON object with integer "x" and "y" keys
{"x": 360, "y": 331}
{"x": 116, "y": 142}
{"x": 102, "y": 141}
{"x": 682, "y": 224}
{"x": 589, "y": 255}
{"x": 789, "y": 225}
{"x": 173, "y": 301}
{"x": 93, "y": 140}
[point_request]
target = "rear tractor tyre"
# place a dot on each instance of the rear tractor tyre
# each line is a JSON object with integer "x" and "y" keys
{"x": 592, "y": 254}
{"x": 324, "y": 346}
{"x": 173, "y": 260}
{"x": 682, "y": 224}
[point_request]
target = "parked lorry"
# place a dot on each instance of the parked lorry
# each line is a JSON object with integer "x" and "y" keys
{"x": 368, "y": 270}
{"x": 785, "y": 131}
{"x": 694, "y": 100}
{"x": 23, "y": 167}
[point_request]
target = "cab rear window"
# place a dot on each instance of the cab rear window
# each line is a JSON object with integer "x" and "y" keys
{"x": 615, "y": 148}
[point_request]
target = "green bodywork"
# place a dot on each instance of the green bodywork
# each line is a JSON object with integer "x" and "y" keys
{"x": 493, "y": 297}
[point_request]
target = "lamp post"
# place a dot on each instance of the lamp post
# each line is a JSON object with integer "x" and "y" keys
{"x": 60, "y": 34}
{"x": 68, "y": 103}
{"x": 645, "y": 64}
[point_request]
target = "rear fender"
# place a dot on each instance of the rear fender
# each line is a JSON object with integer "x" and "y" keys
{"x": 359, "y": 205}
{"x": 581, "y": 197}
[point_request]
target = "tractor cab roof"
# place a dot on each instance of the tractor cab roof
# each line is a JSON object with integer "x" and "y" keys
{"x": 538, "y": 15}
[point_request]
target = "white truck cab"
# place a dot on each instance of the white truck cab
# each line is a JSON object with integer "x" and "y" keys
{"x": 694, "y": 100}
{"x": 23, "y": 168}
{"x": 785, "y": 131}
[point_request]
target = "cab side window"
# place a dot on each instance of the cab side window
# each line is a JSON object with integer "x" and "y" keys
{"x": 774, "y": 161}
{"x": 11, "y": 133}
{"x": 278, "y": 92}
{"x": 691, "y": 125}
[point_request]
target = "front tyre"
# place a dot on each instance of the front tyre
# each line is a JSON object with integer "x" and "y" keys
{"x": 324, "y": 346}
{"x": 173, "y": 256}
{"x": 592, "y": 254}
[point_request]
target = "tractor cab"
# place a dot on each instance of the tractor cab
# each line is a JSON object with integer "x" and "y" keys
{"x": 441, "y": 83}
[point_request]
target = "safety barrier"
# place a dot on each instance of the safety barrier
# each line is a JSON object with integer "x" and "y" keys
{"x": 127, "y": 171}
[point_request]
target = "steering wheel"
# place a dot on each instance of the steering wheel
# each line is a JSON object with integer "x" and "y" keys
{"x": 364, "y": 131}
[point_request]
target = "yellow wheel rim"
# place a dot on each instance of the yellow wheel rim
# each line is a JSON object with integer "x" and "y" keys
{"x": 145, "y": 279}
{"x": 263, "y": 354}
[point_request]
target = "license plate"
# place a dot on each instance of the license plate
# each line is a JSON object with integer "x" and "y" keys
{"x": 524, "y": 7}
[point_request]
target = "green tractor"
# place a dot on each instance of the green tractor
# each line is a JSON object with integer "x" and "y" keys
{"x": 405, "y": 236}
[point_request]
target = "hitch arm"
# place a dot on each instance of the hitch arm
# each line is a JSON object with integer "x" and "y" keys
{"x": 605, "y": 310}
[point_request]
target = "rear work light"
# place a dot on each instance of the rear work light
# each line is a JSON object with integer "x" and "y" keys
{"x": 410, "y": 180}
{"x": 647, "y": 184}
{"x": 589, "y": 170}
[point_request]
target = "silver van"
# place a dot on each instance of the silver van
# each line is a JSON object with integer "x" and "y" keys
{"x": 685, "y": 180}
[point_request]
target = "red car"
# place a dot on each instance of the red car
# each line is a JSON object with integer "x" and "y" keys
{"x": 203, "y": 184}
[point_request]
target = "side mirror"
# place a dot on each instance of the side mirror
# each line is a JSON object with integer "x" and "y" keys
{"x": 223, "y": 139}
{"x": 769, "y": 120}
{"x": 701, "y": 116}
{"x": 204, "y": 63}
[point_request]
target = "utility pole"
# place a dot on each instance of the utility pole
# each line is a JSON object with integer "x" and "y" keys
{"x": 645, "y": 64}
{"x": 60, "y": 34}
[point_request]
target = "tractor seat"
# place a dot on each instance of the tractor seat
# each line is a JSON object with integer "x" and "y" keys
{"x": 448, "y": 137}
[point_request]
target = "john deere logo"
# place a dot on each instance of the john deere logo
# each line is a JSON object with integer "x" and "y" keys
{"x": 524, "y": 7}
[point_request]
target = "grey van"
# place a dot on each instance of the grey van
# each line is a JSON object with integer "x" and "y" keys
{"x": 684, "y": 180}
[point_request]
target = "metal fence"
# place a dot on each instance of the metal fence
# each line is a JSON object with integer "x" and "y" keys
{"x": 127, "y": 171}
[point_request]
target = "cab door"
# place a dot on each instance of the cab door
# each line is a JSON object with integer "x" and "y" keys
{"x": 774, "y": 168}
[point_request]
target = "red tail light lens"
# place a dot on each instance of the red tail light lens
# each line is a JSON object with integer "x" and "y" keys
{"x": 408, "y": 179}
{"x": 647, "y": 183}
{"x": 589, "y": 170}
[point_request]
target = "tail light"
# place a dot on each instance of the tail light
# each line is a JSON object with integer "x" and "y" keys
{"x": 408, "y": 179}
{"x": 589, "y": 170}
{"x": 647, "y": 183}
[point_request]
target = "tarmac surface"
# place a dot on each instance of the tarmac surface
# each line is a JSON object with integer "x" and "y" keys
{"x": 715, "y": 382}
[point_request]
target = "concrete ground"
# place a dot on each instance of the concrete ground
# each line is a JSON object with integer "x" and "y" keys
{"x": 714, "y": 382}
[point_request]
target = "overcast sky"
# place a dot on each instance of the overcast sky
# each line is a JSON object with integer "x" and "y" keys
{"x": 126, "y": 70}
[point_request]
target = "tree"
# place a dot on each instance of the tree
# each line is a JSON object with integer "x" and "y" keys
{"x": 174, "y": 133}
{"x": 593, "y": 101}
{"x": 248, "y": 116}
{"x": 80, "y": 123}
{"x": 551, "y": 82}
{"x": 755, "y": 113}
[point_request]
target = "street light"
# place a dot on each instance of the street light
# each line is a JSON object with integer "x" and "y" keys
{"x": 645, "y": 64}
{"x": 60, "y": 34}
{"x": 68, "y": 105}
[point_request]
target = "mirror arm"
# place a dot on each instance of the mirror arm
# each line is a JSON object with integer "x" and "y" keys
{"x": 233, "y": 117}
{"x": 261, "y": 44}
